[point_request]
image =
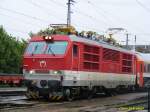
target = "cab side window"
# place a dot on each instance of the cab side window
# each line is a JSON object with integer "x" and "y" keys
{"x": 75, "y": 50}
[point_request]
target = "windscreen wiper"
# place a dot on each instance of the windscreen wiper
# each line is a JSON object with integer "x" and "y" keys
{"x": 50, "y": 49}
{"x": 35, "y": 48}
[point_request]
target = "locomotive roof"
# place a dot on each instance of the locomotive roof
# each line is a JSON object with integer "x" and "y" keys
{"x": 105, "y": 45}
{"x": 85, "y": 40}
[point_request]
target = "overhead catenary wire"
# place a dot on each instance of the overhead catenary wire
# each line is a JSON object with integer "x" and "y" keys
{"x": 105, "y": 16}
{"x": 21, "y": 20}
{"x": 116, "y": 18}
{"x": 64, "y": 6}
{"x": 45, "y": 10}
{"x": 58, "y": 3}
{"x": 107, "y": 19}
{"x": 101, "y": 12}
{"x": 25, "y": 15}
{"x": 36, "y": 18}
{"x": 143, "y": 6}
{"x": 14, "y": 29}
{"x": 81, "y": 13}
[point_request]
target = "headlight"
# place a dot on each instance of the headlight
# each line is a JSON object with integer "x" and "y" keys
{"x": 57, "y": 72}
{"x": 31, "y": 71}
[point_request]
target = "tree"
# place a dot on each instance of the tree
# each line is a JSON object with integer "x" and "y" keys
{"x": 11, "y": 51}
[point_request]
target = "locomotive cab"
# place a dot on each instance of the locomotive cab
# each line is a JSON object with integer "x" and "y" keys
{"x": 45, "y": 59}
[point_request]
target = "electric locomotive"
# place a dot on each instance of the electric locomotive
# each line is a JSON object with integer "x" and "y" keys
{"x": 70, "y": 66}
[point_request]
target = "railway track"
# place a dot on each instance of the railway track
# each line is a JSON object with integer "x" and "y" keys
{"x": 12, "y": 101}
{"x": 13, "y": 91}
{"x": 130, "y": 102}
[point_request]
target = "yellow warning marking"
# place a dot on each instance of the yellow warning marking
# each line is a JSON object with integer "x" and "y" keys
{"x": 59, "y": 97}
{"x": 28, "y": 95}
{"x": 54, "y": 97}
{"x": 37, "y": 94}
{"x": 33, "y": 95}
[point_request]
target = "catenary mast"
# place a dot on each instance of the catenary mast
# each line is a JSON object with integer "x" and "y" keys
{"x": 70, "y": 2}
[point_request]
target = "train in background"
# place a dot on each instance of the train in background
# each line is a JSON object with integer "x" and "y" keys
{"x": 146, "y": 74}
{"x": 71, "y": 66}
{"x": 11, "y": 79}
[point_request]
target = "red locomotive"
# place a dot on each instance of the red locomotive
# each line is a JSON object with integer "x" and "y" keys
{"x": 70, "y": 66}
{"x": 11, "y": 79}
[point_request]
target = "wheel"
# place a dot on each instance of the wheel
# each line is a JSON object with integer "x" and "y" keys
{"x": 69, "y": 95}
{"x": 90, "y": 94}
{"x": 113, "y": 92}
{"x": 36, "y": 94}
{"x": 107, "y": 92}
{"x": 131, "y": 89}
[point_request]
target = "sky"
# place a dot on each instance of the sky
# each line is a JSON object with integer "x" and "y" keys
{"x": 19, "y": 17}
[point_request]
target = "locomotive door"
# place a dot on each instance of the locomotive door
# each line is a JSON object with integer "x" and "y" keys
{"x": 75, "y": 57}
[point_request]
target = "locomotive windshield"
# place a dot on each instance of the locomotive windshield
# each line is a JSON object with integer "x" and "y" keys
{"x": 57, "y": 47}
{"x": 36, "y": 48}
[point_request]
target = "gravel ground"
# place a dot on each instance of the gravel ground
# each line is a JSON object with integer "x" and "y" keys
{"x": 130, "y": 102}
